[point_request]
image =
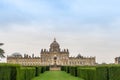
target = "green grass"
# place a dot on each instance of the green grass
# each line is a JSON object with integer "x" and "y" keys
{"x": 56, "y": 75}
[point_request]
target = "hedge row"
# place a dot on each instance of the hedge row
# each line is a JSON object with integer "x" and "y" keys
{"x": 110, "y": 72}
{"x": 38, "y": 71}
{"x": 17, "y": 72}
{"x": 70, "y": 69}
{"x": 9, "y": 72}
{"x": 102, "y": 73}
{"x": 27, "y": 73}
{"x": 87, "y": 73}
{"x": 107, "y": 72}
{"x": 114, "y": 73}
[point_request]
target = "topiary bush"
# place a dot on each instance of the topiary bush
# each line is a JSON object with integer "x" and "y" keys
{"x": 102, "y": 73}
{"x": 27, "y": 73}
{"x": 9, "y": 71}
{"x": 17, "y": 72}
{"x": 38, "y": 70}
{"x": 114, "y": 72}
{"x": 87, "y": 73}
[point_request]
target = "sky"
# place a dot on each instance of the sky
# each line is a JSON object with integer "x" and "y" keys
{"x": 86, "y": 27}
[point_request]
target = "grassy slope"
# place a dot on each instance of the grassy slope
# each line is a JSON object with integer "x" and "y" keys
{"x": 56, "y": 75}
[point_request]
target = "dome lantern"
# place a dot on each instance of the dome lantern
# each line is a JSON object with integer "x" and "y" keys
{"x": 54, "y": 46}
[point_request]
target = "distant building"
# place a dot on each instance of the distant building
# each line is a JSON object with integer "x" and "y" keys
{"x": 53, "y": 56}
{"x": 26, "y": 60}
{"x": 117, "y": 60}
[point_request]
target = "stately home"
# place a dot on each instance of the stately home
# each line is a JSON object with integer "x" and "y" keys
{"x": 53, "y": 56}
{"x": 117, "y": 60}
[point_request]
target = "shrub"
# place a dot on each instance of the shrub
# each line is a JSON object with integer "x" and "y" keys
{"x": 47, "y": 68}
{"x": 68, "y": 69}
{"x": 9, "y": 72}
{"x": 102, "y": 73}
{"x": 44, "y": 68}
{"x": 27, "y": 73}
{"x": 62, "y": 68}
{"x": 87, "y": 73}
{"x": 73, "y": 70}
{"x": 114, "y": 72}
{"x": 16, "y": 72}
{"x": 38, "y": 70}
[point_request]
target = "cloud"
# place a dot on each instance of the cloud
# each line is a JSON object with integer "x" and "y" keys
{"x": 90, "y": 28}
{"x": 31, "y": 7}
{"x": 26, "y": 11}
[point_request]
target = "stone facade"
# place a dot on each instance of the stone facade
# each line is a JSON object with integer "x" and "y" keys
{"x": 117, "y": 60}
{"x": 27, "y": 60}
{"x": 53, "y": 56}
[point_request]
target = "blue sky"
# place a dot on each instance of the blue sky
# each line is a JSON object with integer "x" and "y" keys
{"x": 89, "y": 27}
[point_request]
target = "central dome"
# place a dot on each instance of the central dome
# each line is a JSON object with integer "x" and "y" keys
{"x": 54, "y": 46}
{"x": 16, "y": 55}
{"x": 54, "y": 43}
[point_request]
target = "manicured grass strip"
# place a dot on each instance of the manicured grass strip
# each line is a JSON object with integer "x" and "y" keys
{"x": 56, "y": 75}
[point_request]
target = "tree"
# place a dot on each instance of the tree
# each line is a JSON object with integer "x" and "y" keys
{"x": 1, "y": 44}
{"x": 1, "y": 51}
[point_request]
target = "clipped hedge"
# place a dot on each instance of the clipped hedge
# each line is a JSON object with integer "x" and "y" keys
{"x": 27, "y": 73}
{"x": 102, "y": 73}
{"x": 114, "y": 73}
{"x": 73, "y": 70}
{"x": 47, "y": 68}
{"x": 63, "y": 68}
{"x": 44, "y": 68}
{"x": 87, "y": 73}
{"x": 38, "y": 70}
{"x": 68, "y": 69}
{"x": 17, "y": 72}
{"x": 9, "y": 72}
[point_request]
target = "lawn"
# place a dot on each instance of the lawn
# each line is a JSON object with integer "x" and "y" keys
{"x": 56, "y": 75}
